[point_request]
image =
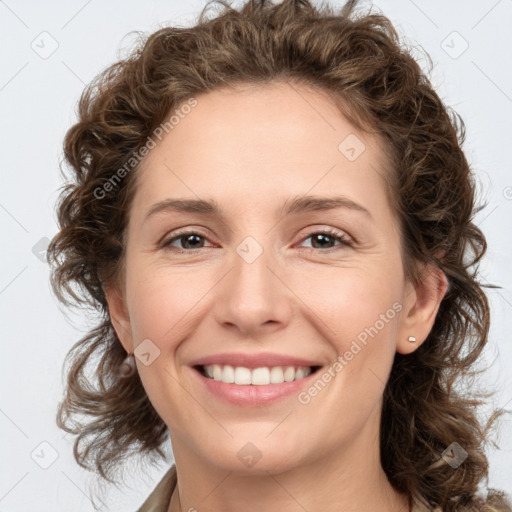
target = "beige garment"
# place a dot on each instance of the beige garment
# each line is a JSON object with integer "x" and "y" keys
{"x": 159, "y": 499}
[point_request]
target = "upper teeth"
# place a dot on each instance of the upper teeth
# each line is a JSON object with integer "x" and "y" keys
{"x": 258, "y": 376}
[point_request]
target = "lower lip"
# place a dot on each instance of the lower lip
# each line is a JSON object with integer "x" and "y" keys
{"x": 251, "y": 395}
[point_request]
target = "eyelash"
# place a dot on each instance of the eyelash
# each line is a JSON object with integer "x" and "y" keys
{"x": 337, "y": 235}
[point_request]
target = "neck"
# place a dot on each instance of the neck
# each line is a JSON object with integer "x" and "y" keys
{"x": 349, "y": 479}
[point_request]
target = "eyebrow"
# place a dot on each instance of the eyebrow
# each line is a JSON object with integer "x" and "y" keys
{"x": 293, "y": 205}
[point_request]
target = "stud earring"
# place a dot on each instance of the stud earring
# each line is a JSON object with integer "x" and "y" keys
{"x": 128, "y": 367}
{"x": 412, "y": 339}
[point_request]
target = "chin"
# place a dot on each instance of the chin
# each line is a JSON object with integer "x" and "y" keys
{"x": 256, "y": 456}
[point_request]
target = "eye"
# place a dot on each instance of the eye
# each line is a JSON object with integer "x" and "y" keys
{"x": 321, "y": 238}
{"x": 190, "y": 239}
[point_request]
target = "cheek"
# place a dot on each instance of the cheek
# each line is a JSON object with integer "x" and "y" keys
{"x": 163, "y": 305}
{"x": 351, "y": 301}
{"x": 161, "y": 301}
{"x": 358, "y": 314}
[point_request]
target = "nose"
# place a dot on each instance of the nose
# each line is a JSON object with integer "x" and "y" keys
{"x": 253, "y": 296}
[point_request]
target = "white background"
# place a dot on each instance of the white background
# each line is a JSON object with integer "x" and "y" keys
{"x": 37, "y": 102}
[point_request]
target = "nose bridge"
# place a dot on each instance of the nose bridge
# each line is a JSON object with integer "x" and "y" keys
{"x": 252, "y": 279}
{"x": 251, "y": 295}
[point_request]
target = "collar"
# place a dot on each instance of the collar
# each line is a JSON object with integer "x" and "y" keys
{"x": 160, "y": 497}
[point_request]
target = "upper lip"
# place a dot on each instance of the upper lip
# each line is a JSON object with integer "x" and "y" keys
{"x": 253, "y": 360}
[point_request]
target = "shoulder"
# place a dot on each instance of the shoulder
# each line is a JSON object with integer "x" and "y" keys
{"x": 160, "y": 497}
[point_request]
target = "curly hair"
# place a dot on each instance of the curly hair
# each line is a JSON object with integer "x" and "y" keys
{"x": 361, "y": 63}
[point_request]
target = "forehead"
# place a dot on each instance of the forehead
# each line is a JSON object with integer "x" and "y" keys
{"x": 267, "y": 141}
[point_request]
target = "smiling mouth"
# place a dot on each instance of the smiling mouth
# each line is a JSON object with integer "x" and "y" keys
{"x": 243, "y": 376}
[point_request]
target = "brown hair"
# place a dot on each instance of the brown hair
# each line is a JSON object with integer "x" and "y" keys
{"x": 360, "y": 62}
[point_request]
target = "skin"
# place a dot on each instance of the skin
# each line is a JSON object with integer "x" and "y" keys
{"x": 251, "y": 149}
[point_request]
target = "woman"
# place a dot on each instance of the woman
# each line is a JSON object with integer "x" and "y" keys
{"x": 272, "y": 212}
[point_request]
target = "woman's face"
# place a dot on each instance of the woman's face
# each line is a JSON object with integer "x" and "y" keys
{"x": 261, "y": 276}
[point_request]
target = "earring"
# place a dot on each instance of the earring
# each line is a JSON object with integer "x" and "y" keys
{"x": 412, "y": 339}
{"x": 128, "y": 367}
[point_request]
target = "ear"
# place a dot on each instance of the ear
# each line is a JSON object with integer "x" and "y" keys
{"x": 119, "y": 317}
{"x": 421, "y": 304}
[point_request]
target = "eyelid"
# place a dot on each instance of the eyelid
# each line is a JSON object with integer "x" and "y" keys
{"x": 324, "y": 228}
